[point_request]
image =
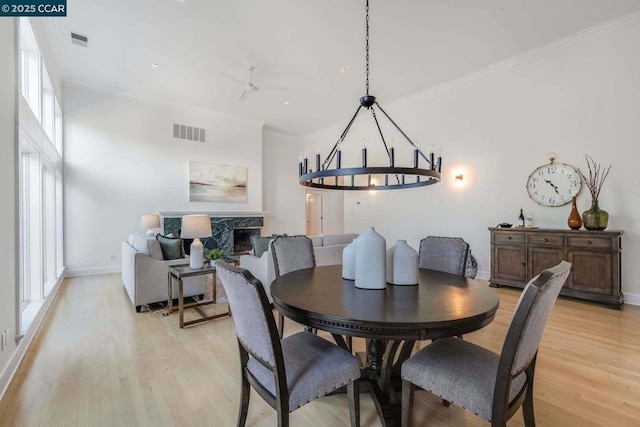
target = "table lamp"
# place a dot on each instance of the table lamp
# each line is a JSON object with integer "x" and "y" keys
{"x": 150, "y": 221}
{"x": 194, "y": 227}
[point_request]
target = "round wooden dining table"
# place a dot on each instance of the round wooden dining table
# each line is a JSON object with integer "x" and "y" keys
{"x": 391, "y": 319}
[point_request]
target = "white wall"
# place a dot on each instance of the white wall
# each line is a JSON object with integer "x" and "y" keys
{"x": 283, "y": 196}
{"x": 579, "y": 96}
{"x": 8, "y": 118}
{"x": 121, "y": 161}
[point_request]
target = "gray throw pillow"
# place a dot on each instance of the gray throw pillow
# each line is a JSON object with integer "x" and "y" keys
{"x": 172, "y": 248}
{"x": 260, "y": 245}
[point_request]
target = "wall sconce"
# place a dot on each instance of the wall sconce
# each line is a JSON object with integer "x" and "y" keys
{"x": 459, "y": 177}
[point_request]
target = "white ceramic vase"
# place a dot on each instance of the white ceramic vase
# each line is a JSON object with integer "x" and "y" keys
{"x": 370, "y": 260}
{"x": 349, "y": 261}
{"x": 402, "y": 264}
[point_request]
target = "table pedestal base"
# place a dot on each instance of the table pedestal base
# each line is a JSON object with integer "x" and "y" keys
{"x": 384, "y": 383}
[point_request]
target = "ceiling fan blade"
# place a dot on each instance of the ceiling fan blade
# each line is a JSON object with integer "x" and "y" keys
{"x": 244, "y": 95}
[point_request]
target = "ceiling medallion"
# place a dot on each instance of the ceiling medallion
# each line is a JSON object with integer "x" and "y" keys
{"x": 363, "y": 178}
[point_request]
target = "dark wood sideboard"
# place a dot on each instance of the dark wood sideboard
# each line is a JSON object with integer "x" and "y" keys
{"x": 518, "y": 254}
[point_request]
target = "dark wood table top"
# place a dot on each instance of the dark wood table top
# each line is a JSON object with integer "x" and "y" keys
{"x": 180, "y": 271}
{"x": 441, "y": 305}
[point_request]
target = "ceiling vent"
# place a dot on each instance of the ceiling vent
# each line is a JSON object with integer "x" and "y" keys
{"x": 188, "y": 132}
{"x": 79, "y": 39}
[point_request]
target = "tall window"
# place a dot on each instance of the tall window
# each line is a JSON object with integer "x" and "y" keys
{"x": 40, "y": 169}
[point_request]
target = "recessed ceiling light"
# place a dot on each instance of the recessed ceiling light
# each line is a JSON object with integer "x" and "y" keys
{"x": 154, "y": 65}
{"x": 286, "y": 102}
{"x": 343, "y": 69}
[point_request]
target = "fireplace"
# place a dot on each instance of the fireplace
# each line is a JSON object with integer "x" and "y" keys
{"x": 229, "y": 230}
{"x": 242, "y": 239}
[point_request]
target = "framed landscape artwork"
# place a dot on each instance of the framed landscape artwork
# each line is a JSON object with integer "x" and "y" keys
{"x": 210, "y": 182}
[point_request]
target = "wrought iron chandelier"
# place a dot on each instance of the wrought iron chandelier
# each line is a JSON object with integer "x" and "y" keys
{"x": 339, "y": 178}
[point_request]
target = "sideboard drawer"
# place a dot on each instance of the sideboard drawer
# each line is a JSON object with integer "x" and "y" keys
{"x": 589, "y": 242}
{"x": 545, "y": 239}
{"x": 509, "y": 237}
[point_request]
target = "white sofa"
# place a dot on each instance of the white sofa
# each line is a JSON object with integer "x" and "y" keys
{"x": 144, "y": 272}
{"x": 327, "y": 250}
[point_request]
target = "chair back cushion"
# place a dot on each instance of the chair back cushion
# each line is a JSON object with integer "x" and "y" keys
{"x": 252, "y": 318}
{"x": 533, "y": 310}
{"x": 291, "y": 253}
{"x": 448, "y": 254}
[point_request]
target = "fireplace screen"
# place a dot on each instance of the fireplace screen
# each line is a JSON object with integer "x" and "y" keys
{"x": 242, "y": 239}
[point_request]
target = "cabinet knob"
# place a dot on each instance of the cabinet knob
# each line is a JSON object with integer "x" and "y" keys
{"x": 509, "y": 237}
{"x": 524, "y": 263}
{"x": 588, "y": 242}
{"x": 546, "y": 240}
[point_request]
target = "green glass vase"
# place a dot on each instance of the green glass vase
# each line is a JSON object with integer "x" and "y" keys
{"x": 595, "y": 218}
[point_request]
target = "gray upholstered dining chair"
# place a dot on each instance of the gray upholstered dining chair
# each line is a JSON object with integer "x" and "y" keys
{"x": 291, "y": 253}
{"x": 492, "y": 386}
{"x": 448, "y": 254}
{"x": 290, "y": 373}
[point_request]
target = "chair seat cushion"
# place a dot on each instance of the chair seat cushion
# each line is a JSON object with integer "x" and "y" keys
{"x": 314, "y": 367}
{"x": 460, "y": 372}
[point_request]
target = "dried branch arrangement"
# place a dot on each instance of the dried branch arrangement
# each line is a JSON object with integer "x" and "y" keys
{"x": 597, "y": 175}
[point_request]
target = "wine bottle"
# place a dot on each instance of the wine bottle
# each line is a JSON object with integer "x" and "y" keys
{"x": 521, "y": 218}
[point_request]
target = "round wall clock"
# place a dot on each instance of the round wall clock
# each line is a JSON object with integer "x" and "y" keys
{"x": 554, "y": 184}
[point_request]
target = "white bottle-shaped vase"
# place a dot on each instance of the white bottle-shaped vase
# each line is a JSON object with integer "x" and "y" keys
{"x": 402, "y": 264}
{"x": 349, "y": 261}
{"x": 370, "y": 260}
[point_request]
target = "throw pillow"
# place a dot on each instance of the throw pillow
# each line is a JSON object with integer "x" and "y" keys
{"x": 260, "y": 245}
{"x": 155, "y": 250}
{"x": 172, "y": 248}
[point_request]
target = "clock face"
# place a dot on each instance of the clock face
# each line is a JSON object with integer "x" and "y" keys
{"x": 554, "y": 184}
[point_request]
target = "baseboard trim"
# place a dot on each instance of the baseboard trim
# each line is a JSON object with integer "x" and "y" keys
{"x": 632, "y": 299}
{"x": 25, "y": 342}
{"x": 79, "y": 272}
{"x": 483, "y": 275}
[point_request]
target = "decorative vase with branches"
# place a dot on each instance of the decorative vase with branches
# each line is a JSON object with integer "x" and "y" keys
{"x": 595, "y": 218}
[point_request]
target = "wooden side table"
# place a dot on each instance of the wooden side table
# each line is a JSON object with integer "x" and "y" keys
{"x": 179, "y": 272}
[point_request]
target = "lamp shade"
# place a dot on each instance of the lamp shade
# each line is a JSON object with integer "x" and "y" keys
{"x": 150, "y": 221}
{"x": 195, "y": 226}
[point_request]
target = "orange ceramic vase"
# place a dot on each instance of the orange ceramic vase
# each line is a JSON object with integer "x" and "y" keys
{"x": 575, "y": 220}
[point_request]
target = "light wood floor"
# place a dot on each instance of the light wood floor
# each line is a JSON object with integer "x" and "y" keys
{"x": 95, "y": 362}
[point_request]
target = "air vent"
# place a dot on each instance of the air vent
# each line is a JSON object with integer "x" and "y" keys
{"x": 79, "y": 39}
{"x": 188, "y": 132}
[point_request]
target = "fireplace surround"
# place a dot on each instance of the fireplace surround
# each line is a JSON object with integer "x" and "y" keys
{"x": 231, "y": 232}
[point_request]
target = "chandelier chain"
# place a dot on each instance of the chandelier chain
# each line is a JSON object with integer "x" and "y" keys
{"x": 367, "y": 44}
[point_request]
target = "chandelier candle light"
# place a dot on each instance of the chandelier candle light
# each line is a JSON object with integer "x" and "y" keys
{"x": 394, "y": 177}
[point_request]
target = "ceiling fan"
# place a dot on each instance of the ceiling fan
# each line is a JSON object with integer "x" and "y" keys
{"x": 249, "y": 87}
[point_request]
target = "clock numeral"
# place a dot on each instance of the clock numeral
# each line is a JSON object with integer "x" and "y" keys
{"x": 552, "y": 199}
{"x": 534, "y": 179}
{"x": 574, "y": 183}
{"x": 552, "y": 169}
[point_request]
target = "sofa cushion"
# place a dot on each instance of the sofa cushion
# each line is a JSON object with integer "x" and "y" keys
{"x": 147, "y": 245}
{"x": 172, "y": 248}
{"x": 337, "y": 239}
{"x": 316, "y": 241}
{"x": 260, "y": 245}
